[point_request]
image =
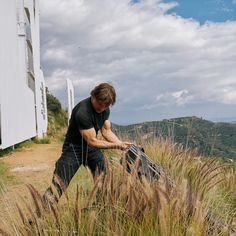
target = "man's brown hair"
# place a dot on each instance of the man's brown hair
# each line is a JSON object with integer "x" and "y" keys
{"x": 104, "y": 93}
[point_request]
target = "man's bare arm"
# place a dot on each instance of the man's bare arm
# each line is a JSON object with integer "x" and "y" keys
{"x": 107, "y": 132}
{"x": 110, "y": 136}
{"x": 90, "y": 137}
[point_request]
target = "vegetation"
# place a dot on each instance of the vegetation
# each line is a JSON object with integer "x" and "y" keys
{"x": 211, "y": 139}
{"x": 57, "y": 118}
{"x": 53, "y": 104}
{"x": 201, "y": 201}
{"x": 5, "y": 177}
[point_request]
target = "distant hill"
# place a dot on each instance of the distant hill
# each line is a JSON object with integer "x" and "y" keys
{"x": 210, "y": 138}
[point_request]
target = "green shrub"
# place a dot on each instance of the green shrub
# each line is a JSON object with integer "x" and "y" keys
{"x": 53, "y": 104}
{"x": 56, "y": 122}
{"x": 57, "y": 118}
{"x": 5, "y": 177}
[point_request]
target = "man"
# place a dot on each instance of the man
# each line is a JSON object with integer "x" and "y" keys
{"x": 82, "y": 145}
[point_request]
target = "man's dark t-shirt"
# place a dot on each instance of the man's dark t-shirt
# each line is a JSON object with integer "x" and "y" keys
{"x": 84, "y": 117}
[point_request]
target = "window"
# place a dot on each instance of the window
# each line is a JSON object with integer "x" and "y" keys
{"x": 29, "y": 52}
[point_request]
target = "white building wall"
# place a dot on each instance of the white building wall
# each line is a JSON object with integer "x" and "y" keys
{"x": 42, "y": 111}
{"x": 17, "y": 100}
{"x": 40, "y": 88}
{"x": 70, "y": 97}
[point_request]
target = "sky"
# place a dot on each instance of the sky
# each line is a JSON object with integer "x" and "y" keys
{"x": 166, "y": 59}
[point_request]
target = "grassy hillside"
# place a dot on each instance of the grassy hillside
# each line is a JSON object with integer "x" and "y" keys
{"x": 211, "y": 139}
{"x": 202, "y": 200}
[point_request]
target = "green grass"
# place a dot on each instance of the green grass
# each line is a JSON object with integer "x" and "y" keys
{"x": 82, "y": 179}
{"x": 5, "y": 176}
{"x": 6, "y": 151}
{"x": 45, "y": 140}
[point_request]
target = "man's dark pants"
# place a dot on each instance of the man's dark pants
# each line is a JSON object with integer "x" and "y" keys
{"x": 72, "y": 157}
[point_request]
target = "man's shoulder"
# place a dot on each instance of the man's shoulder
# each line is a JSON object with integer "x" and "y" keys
{"x": 82, "y": 114}
{"x": 84, "y": 102}
{"x": 83, "y": 108}
{"x": 82, "y": 105}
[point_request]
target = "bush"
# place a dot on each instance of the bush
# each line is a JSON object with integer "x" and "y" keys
{"x": 53, "y": 104}
{"x": 56, "y": 123}
{"x": 57, "y": 118}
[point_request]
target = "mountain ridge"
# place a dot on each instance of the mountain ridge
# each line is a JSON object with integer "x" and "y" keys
{"x": 210, "y": 138}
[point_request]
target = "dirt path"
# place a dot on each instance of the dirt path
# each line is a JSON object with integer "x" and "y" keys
{"x": 32, "y": 165}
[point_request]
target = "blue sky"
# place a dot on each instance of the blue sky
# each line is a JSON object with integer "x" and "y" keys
{"x": 206, "y": 10}
{"x": 165, "y": 58}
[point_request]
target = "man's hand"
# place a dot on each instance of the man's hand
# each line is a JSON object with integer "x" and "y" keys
{"x": 111, "y": 137}
{"x": 123, "y": 145}
{"x": 90, "y": 136}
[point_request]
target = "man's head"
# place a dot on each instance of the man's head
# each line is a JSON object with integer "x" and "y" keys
{"x": 103, "y": 96}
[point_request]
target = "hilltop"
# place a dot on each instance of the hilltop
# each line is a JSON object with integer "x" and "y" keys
{"x": 210, "y": 138}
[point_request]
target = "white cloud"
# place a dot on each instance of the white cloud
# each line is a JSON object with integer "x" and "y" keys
{"x": 178, "y": 98}
{"x": 225, "y": 95}
{"x": 141, "y": 49}
{"x": 230, "y": 97}
{"x": 56, "y": 55}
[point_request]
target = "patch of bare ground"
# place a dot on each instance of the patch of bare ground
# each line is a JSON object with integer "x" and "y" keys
{"x": 33, "y": 165}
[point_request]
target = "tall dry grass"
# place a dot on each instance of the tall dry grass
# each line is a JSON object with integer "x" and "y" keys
{"x": 201, "y": 201}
